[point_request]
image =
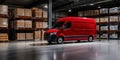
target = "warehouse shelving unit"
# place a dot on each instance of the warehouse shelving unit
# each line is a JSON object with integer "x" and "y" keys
{"x": 4, "y": 30}
{"x": 108, "y": 24}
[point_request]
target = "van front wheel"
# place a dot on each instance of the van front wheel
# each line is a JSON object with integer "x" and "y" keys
{"x": 60, "y": 40}
{"x": 90, "y": 39}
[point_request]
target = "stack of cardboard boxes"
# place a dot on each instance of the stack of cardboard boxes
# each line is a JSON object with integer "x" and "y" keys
{"x": 114, "y": 19}
{"x": 23, "y": 12}
{"x": 104, "y": 19}
{"x": 114, "y": 10}
{"x": 91, "y": 12}
{"x": 3, "y": 37}
{"x": 29, "y": 36}
{"x": 104, "y": 28}
{"x": 3, "y": 22}
{"x": 4, "y": 9}
{"x": 104, "y": 11}
{"x": 20, "y": 36}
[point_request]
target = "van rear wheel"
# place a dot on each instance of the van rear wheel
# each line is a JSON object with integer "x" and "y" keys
{"x": 60, "y": 40}
{"x": 90, "y": 39}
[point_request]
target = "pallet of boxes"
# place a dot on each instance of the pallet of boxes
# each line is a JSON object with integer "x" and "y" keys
{"x": 39, "y": 23}
{"x": 3, "y": 23}
{"x": 23, "y": 23}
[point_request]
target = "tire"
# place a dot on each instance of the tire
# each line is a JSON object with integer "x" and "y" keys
{"x": 90, "y": 39}
{"x": 60, "y": 40}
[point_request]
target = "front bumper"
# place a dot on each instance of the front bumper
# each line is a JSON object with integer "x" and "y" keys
{"x": 49, "y": 37}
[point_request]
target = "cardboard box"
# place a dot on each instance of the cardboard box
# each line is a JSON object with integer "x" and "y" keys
{"x": 104, "y": 27}
{"x": 114, "y": 36}
{"x": 4, "y": 9}
{"x": 42, "y": 35}
{"x": 104, "y": 10}
{"x": 114, "y": 19}
{"x": 113, "y": 27}
{"x": 19, "y": 12}
{"x": 45, "y": 14}
{"x": 3, "y": 37}
{"x": 104, "y": 36}
{"x": 29, "y": 36}
{"x": 28, "y": 24}
{"x": 3, "y": 22}
{"x": 45, "y": 24}
{"x": 20, "y": 36}
{"x": 114, "y": 10}
{"x": 28, "y": 12}
{"x": 20, "y": 24}
{"x": 38, "y": 35}
{"x": 37, "y": 12}
{"x": 104, "y": 19}
{"x": 39, "y": 24}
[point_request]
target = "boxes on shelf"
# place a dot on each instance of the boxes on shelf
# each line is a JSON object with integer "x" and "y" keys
{"x": 45, "y": 14}
{"x": 113, "y": 18}
{"x": 20, "y": 36}
{"x": 104, "y": 36}
{"x": 104, "y": 28}
{"x": 114, "y": 36}
{"x": 113, "y": 27}
{"x": 3, "y": 22}
{"x": 45, "y": 25}
{"x": 28, "y": 12}
{"x": 43, "y": 34}
{"x": 113, "y": 10}
{"x": 104, "y": 10}
{"x": 97, "y": 20}
{"x": 20, "y": 23}
{"x": 39, "y": 24}
{"x": 38, "y": 35}
{"x": 4, "y": 9}
{"x": 29, "y": 36}
{"x": 37, "y": 12}
{"x": 19, "y": 12}
{"x": 28, "y": 24}
{"x": 104, "y": 19}
{"x": 3, "y": 37}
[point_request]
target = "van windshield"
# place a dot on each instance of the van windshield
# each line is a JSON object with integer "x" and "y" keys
{"x": 58, "y": 24}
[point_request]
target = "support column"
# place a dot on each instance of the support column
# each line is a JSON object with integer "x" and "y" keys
{"x": 50, "y": 13}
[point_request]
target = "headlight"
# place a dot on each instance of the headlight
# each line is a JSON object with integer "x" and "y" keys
{"x": 53, "y": 33}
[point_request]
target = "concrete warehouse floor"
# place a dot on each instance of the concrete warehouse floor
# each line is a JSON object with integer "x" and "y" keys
{"x": 99, "y": 50}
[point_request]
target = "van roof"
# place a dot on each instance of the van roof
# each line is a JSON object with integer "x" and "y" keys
{"x": 76, "y": 19}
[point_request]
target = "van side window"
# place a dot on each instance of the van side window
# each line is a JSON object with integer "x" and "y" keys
{"x": 67, "y": 25}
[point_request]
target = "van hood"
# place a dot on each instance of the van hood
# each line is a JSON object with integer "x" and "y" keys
{"x": 52, "y": 30}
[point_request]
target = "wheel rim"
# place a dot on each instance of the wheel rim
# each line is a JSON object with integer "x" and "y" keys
{"x": 60, "y": 40}
{"x": 90, "y": 39}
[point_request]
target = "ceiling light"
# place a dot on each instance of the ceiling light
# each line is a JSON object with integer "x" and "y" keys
{"x": 45, "y": 6}
{"x": 69, "y": 10}
{"x": 91, "y": 4}
{"x": 99, "y": 7}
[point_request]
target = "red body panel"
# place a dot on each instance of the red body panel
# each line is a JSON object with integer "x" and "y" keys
{"x": 81, "y": 28}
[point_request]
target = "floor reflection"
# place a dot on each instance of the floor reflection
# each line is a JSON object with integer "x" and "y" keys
{"x": 103, "y": 50}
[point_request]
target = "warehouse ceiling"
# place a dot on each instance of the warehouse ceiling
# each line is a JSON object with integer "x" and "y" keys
{"x": 59, "y": 5}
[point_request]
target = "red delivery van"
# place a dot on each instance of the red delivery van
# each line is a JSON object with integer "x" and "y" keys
{"x": 72, "y": 28}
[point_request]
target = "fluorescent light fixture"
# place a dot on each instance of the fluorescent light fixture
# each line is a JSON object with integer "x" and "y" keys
{"x": 69, "y": 10}
{"x": 99, "y": 7}
{"x": 91, "y": 4}
{"x": 45, "y": 6}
